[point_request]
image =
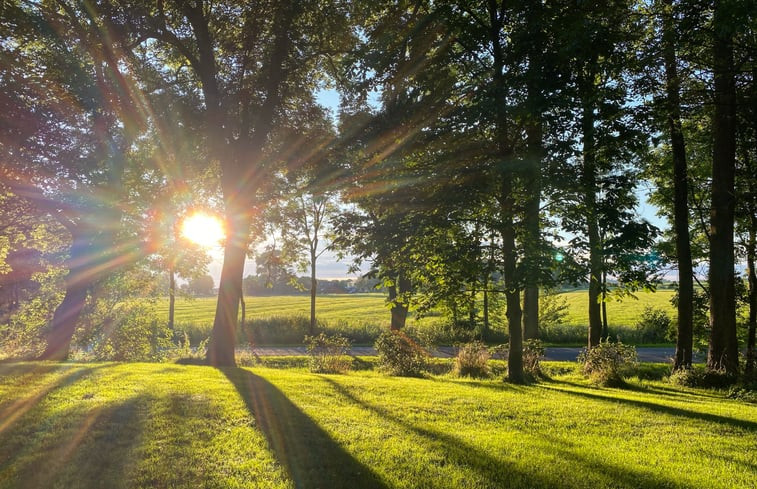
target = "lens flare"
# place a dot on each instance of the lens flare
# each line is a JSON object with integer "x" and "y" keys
{"x": 203, "y": 229}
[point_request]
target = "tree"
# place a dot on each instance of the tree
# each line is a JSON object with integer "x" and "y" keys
{"x": 723, "y": 351}
{"x": 247, "y": 61}
{"x": 72, "y": 159}
{"x": 685, "y": 336}
{"x": 201, "y": 286}
{"x": 305, "y": 219}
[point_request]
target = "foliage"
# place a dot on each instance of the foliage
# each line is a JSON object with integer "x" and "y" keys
{"x": 655, "y": 326}
{"x": 533, "y": 352}
{"x": 472, "y": 360}
{"x": 328, "y": 354}
{"x": 553, "y": 309}
{"x": 132, "y": 332}
{"x": 400, "y": 355}
{"x": 608, "y": 363}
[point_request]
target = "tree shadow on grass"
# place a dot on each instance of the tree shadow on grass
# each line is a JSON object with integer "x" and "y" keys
{"x": 659, "y": 408}
{"x": 78, "y": 447}
{"x": 502, "y": 474}
{"x": 310, "y": 456}
{"x": 11, "y": 412}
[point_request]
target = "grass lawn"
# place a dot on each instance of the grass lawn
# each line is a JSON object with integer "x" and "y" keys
{"x": 175, "y": 426}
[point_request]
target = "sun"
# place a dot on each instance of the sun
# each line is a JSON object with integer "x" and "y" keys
{"x": 203, "y": 229}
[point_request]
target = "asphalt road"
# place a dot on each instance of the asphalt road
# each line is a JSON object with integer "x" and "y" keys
{"x": 646, "y": 354}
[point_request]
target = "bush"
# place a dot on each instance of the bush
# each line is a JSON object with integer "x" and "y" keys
{"x": 132, "y": 332}
{"x": 472, "y": 360}
{"x": 328, "y": 354}
{"x": 533, "y": 352}
{"x": 400, "y": 355}
{"x": 654, "y": 326}
{"x": 609, "y": 363}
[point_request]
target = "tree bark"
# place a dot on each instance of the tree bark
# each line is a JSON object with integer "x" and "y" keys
{"x": 751, "y": 355}
{"x": 589, "y": 185}
{"x": 223, "y": 336}
{"x": 605, "y": 326}
{"x": 723, "y": 347}
{"x": 512, "y": 288}
{"x": 399, "y": 308}
{"x": 532, "y": 180}
{"x": 171, "y": 297}
{"x": 313, "y": 290}
{"x": 78, "y": 281}
{"x": 685, "y": 336}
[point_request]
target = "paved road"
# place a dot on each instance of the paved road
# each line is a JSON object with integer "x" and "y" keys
{"x": 645, "y": 354}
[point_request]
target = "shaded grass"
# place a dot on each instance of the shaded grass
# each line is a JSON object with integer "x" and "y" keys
{"x": 162, "y": 425}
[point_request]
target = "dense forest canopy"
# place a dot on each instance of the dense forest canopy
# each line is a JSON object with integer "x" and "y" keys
{"x": 482, "y": 152}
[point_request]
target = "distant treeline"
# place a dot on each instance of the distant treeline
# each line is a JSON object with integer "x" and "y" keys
{"x": 261, "y": 285}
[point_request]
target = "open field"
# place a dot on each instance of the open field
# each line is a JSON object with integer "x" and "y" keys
{"x": 165, "y": 425}
{"x": 362, "y": 316}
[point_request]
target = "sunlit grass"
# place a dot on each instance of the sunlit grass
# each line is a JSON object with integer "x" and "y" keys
{"x": 366, "y": 314}
{"x": 162, "y": 425}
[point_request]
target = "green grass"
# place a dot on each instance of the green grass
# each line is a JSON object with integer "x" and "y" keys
{"x": 362, "y": 316}
{"x": 163, "y": 425}
{"x": 619, "y": 313}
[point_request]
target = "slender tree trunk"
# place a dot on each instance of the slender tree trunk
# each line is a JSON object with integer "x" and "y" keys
{"x": 171, "y": 296}
{"x": 751, "y": 355}
{"x": 589, "y": 184}
{"x": 485, "y": 327}
{"x": 223, "y": 336}
{"x": 313, "y": 290}
{"x": 532, "y": 181}
{"x": 605, "y": 327}
{"x": 685, "y": 336}
{"x": 723, "y": 351}
{"x": 512, "y": 289}
{"x": 243, "y": 306}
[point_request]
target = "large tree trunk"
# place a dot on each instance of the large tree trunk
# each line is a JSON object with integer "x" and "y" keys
{"x": 723, "y": 351}
{"x": 80, "y": 278}
{"x": 223, "y": 336}
{"x": 685, "y": 337}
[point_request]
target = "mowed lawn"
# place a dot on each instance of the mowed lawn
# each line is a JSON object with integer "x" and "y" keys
{"x": 372, "y": 309}
{"x": 175, "y": 426}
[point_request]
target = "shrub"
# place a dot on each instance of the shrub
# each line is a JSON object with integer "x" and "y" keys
{"x": 686, "y": 377}
{"x": 132, "y": 332}
{"x": 609, "y": 363}
{"x": 400, "y": 355}
{"x": 472, "y": 360}
{"x": 654, "y": 326}
{"x": 328, "y": 354}
{"x": 533, "y": 352}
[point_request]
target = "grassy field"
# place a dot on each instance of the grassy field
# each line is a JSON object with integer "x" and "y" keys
{"x": 165, "y": 425}
{"x": 364, "y": 315}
